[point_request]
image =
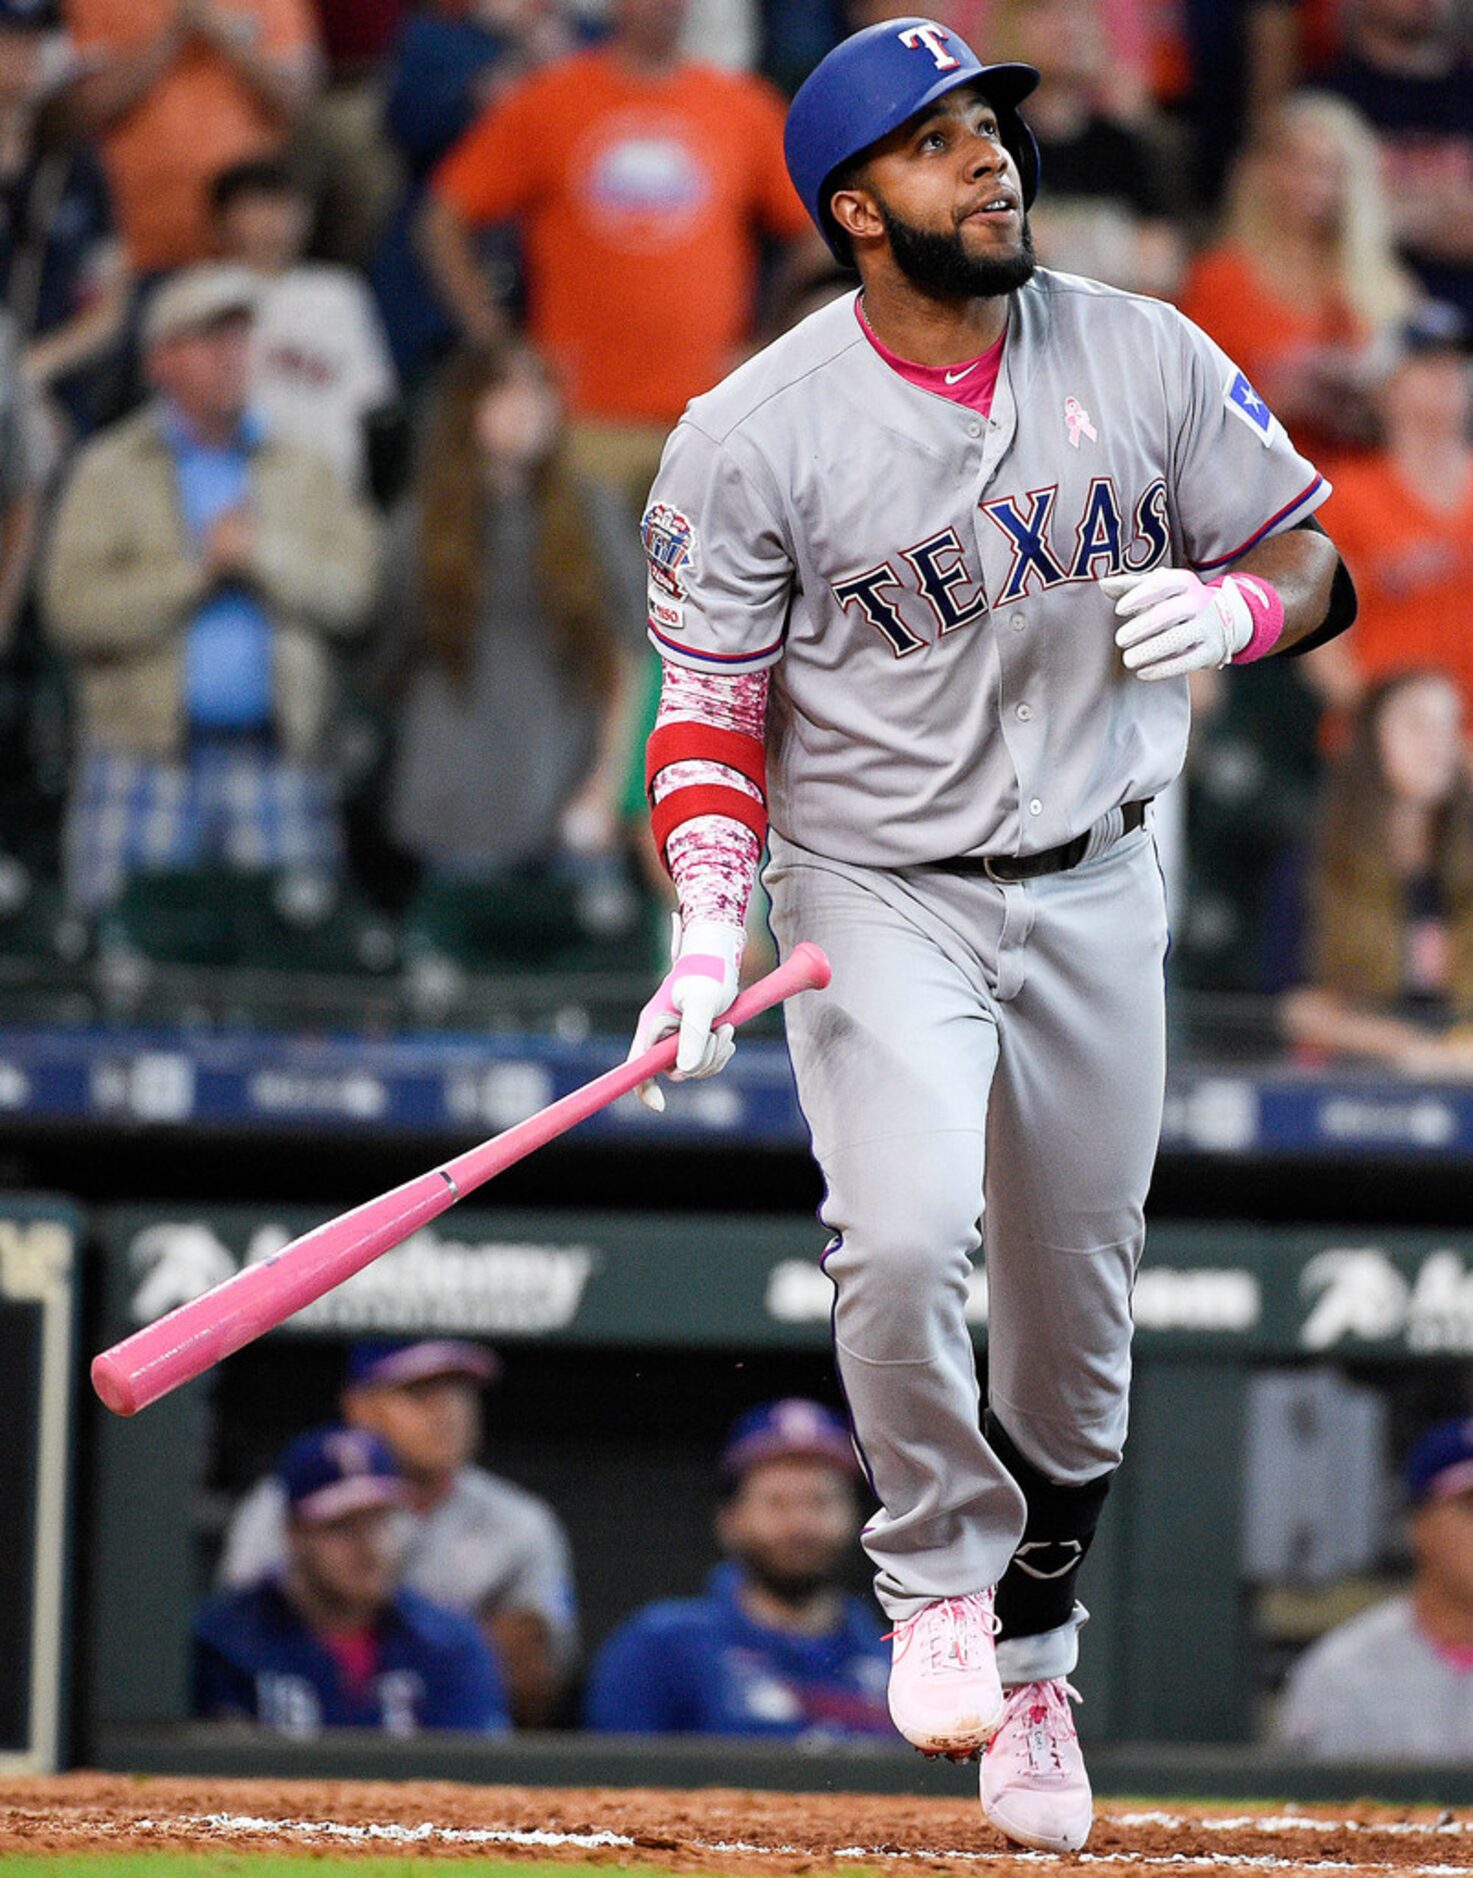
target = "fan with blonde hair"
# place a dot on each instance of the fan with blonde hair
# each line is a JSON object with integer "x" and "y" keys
{"x": 1303, "y": 288}
{"x": 1368, "y": 276}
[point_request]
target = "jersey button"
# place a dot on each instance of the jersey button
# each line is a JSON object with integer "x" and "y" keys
{"x": 1020, "y": 620}
{"x": 1035, "y": 807}
{"x": 1025, "y": 713}
{"x": 974, "y": 430}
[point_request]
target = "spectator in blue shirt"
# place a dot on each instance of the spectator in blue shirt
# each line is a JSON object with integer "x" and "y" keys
{"x": 333, "y": 1641}
{"x": 775, "y": 1647}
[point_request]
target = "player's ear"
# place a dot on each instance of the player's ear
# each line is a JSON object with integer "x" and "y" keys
{"x": 856, "y": 212}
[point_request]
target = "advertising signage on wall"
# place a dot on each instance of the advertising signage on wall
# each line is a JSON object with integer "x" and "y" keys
{"x": 753, "y": 1282}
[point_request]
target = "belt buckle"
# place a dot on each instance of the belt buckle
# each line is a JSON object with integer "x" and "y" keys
{"x": 990, "y": 870}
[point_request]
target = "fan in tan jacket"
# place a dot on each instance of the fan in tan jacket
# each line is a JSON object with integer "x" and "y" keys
{"x": 200, "y": 576}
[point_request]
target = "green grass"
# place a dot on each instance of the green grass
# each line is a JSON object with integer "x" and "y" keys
{"x": 267, "y": 1864}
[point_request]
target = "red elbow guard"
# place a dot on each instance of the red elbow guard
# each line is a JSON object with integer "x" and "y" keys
{"x": 685, "y": 742}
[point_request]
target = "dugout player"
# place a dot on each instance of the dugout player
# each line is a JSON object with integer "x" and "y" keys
{"x": 928, "y": 576}
{"x": 334, "y": 1640}
{"x": 775, "y": 1647}
{"x": 472, "y": 1540}
{"x": 1396, "y": 1681}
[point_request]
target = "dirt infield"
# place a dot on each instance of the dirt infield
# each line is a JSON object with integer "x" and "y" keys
{"x": 711, "y": 1831}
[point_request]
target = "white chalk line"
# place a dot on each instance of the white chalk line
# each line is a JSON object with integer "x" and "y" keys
{"x": 1292, "y": 1822}
{"x": 396, "y": 1835}
{"x": 531, "y": 1839}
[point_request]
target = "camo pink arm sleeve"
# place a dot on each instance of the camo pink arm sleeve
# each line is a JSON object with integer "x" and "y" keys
{"x": 713, "y": 859}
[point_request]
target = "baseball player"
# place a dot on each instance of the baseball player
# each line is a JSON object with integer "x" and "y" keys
{"x": 775, "y": 1646}
{"x": 333, "y": 1640}
{"x": 928, "y": 576}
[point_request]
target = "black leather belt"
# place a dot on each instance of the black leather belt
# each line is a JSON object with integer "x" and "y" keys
{"x": 1010, "y": 868}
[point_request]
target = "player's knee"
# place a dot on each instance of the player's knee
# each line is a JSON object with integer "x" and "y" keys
{"x": 915, "y": 1241}
{"x": 904, "y": 1280}
{"x": 1068, "y": 1453}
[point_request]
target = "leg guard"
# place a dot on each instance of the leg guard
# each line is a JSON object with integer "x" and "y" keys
{"x": 1037, "y": 1592}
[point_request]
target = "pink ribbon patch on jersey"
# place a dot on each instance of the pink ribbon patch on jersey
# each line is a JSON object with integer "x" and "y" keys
{"x": 1077, "y": 418}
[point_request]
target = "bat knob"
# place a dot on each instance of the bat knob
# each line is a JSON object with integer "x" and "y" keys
{"x": 816, "y": 968}
{"x": 114, "y": 1386}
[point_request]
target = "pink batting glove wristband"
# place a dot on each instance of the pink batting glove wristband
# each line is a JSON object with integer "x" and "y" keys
{"x": 1265, "y": 609}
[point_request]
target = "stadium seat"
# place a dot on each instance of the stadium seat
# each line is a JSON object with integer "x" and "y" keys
{"x": 269, "y": 922}
{"x": 534, "y": 920}
{"x": 34, "y": 923}
{"x": 1253, "y": 777}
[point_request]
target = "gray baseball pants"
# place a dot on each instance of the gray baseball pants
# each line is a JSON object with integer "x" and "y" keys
{"x": 979, "y": 1041}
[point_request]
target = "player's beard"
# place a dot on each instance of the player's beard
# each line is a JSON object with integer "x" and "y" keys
{"x": 940, "y": 264}
{"x": 794, "y": 1586}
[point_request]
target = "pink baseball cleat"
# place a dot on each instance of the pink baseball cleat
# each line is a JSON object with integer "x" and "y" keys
{"x": 945, "y": 1696}
{"x": 1034, "y": 1786}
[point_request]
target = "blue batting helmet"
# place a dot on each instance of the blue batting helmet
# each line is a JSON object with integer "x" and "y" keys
{"x": 871, "y": 83}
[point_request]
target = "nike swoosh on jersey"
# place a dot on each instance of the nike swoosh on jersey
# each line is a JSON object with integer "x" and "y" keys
{"x": 955, "y": 378}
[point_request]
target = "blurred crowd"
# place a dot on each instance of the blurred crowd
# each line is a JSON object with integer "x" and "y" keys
{"x": 340, "y": 340}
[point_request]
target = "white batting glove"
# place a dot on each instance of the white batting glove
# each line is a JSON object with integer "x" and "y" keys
{"x": 702, "y": 981}
{"x": 1175, "y": 623}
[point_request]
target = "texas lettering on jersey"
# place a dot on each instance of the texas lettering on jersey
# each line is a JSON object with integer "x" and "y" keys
{"x": 939, "y": 572}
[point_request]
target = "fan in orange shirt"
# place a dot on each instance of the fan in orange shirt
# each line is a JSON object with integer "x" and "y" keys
{"x": 178, "y": 90}
{"x": 1403, "y": 519}
{"x": 1305, "y": 278}
{"x": 640, "y": 182}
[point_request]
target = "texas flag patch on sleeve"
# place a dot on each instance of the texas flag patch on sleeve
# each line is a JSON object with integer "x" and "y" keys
{"x": 1244, "y": 403}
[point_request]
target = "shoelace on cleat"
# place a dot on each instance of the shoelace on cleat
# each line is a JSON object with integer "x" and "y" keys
{"x": 953, "y": 1629}
{"x": 1048, "y": 1706}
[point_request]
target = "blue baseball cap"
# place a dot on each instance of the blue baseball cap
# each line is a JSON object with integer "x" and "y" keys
{"x": 387, "y": 1365}
{"x": 878, "y": 79}
{"x": 794, "y": 1426}
{"x": 1441, "y": 1462}
{"x": 331, "y": 1471}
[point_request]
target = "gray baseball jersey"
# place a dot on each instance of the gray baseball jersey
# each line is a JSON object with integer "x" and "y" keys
{"x": 925, "y": 580}
{"x": 1376, "y": 1687}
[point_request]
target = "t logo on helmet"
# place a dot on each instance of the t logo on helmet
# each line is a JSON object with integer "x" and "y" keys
{"x": 933, "y": 38}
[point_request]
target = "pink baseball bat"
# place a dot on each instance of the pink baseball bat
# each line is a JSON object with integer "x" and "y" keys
{"x": 189, "y": 1340}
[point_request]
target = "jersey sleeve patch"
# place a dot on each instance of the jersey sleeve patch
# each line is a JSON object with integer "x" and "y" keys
{"x": 665, "y": 615}
{"x": 1246, "y": 405}
{"x": 669, "y": 539}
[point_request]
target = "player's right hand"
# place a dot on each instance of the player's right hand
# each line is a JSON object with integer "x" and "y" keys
{"x": 702, "y": 981}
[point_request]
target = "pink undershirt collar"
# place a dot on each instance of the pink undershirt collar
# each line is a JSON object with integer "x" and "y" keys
{"x": 972, "y": 383}
{"x": 1458, "y": 1656}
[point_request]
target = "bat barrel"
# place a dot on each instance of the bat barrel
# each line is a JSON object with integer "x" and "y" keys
{"x": 189, "y": 1340}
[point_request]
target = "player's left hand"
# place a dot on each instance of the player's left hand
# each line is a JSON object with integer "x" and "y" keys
{"x": 702, "y": 981}
{"x": 1176, "y": 623}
